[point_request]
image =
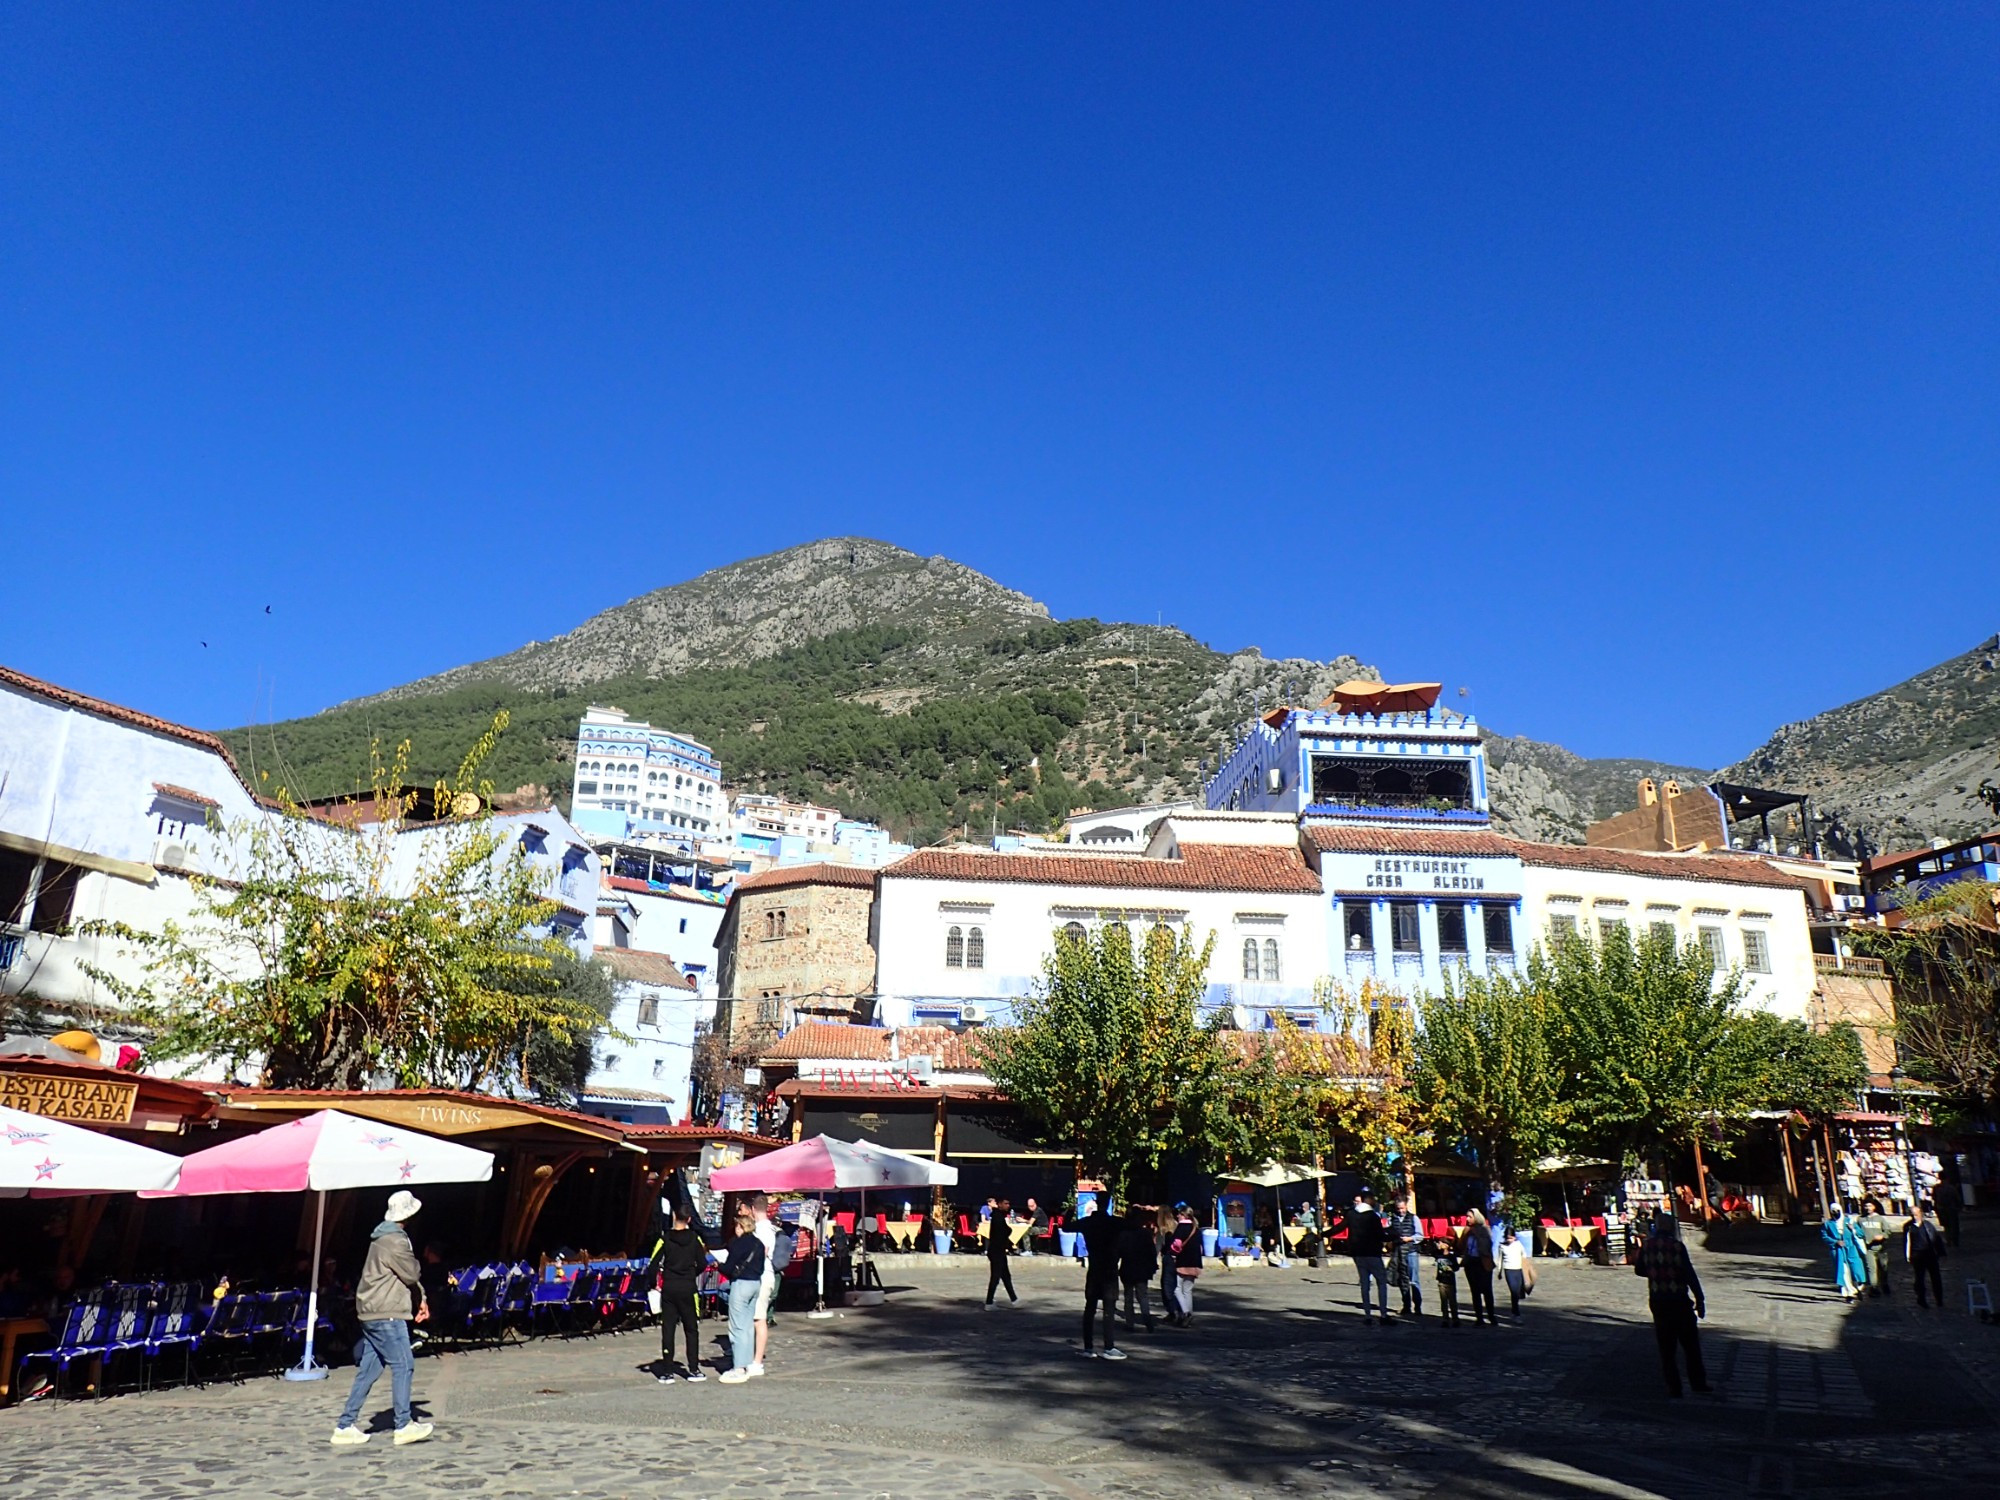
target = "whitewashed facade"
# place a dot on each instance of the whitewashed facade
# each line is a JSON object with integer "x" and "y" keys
{"x": 963, "y": 933}
{"x": 1749, "y": 916}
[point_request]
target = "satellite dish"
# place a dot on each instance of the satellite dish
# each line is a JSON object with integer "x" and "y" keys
{"x": 465, "y": 804}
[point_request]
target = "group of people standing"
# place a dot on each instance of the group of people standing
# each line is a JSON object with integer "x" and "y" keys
{"x": 1860, "y": 1244}
{"x": 1393, "y": 1250}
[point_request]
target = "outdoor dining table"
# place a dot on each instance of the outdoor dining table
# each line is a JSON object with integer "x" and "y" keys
{"x": 1295, "y": 1235}
{"x": 1563, "y": 1237}
{"x": 1017, "y": 1232}
{"x": 10, "y": 1330}
{"x": 902, "y": 1232}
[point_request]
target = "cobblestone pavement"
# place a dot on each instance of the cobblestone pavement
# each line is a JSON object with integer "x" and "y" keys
{"x": 1279, "y": 1389}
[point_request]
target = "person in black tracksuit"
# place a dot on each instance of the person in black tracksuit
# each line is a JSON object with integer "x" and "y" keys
{"x": 1138, "y": 1261}
{"x": 1102, "y": 1235}
{"x": 682, "y": 1257}
{"x": 999, "y": 1241}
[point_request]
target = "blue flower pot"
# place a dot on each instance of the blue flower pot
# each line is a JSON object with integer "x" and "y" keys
{"x": 941, "y": 1241}
{"x": 1066, "y": 1241}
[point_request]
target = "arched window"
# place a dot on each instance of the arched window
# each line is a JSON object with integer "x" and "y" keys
{"x": 954, "y": 948}
{"x": 1271, "y": 959}
{"x": 975, "y": 948}
{"x": 1250, "y": 959}
{"x": 1074, "y": 932}
{"x": 649, "y": 1010}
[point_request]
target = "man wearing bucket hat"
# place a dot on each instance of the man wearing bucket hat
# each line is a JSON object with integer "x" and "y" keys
{"x": 391, "y": 1285}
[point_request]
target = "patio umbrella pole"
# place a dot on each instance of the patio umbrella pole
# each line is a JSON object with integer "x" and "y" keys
{"x": 820, "y": 1243}
{"x": 305, "y": 1369}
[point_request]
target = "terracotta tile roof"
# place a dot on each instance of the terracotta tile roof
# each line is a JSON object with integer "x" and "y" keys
{"x": 70, "y": 698}
{"x": 1337, "y": 1054}
{"x": 356, "y": 1101}
{"x": 1733, "y": 869}
{"x": 184, "y": 794}
{"x": 822, "y": 874}
{"x": 1342, "y": 838}
{"x": 645, "y": 967}
{"x": 836, "y": 1041}
{"x": 661, "y": 1135}
{"x": 1201, "y": 867}
{"x": 833, "y": 1041}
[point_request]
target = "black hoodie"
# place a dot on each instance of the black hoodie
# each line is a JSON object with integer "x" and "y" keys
{"x": 682, "y": 1256}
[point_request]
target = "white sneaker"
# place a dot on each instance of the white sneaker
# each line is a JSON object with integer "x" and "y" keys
{"x": 416, "y": 1432}
{"x": 735, "y": 1377}
{"x": 1090, "y": 1354}
{"x": 1113, "y": 1354}
{"x": 757, "y": 1369}
{"x": 698, "y": 1376}
{"x": 348, "y": 1437}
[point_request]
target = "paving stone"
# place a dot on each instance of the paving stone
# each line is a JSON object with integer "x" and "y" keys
{"x": 1279, "y": 1388}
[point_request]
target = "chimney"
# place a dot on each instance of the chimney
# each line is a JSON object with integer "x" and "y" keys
{"x": 895, "y": 1045}
{"x": 1647, "y": 796}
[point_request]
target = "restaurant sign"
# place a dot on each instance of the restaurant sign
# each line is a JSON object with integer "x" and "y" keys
{"x": 89, "y": 1101}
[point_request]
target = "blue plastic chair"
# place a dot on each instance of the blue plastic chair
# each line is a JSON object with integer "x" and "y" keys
{"x": 85, "y": 1326}
{"x": 178, "y": 1325}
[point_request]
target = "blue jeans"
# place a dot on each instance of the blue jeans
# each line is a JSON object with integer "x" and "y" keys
{"x": 1372, "y": 1269}
{"x": 1413, "y": 1285}
{"x": 743, "y": 1295}
{"x": 384, "y": 1341}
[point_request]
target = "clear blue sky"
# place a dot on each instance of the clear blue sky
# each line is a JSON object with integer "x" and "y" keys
{"x": 1637, "y": 366}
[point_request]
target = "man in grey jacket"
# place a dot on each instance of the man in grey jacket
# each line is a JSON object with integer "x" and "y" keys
{"x": 391, "y": 1286}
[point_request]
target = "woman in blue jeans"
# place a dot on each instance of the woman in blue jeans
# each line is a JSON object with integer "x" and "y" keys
{"x": 743, "y": 1265}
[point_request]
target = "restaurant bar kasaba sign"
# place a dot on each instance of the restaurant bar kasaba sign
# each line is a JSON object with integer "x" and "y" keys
{"x": 88, "y": 1101}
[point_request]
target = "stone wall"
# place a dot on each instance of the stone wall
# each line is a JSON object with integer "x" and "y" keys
{"x": 783, "y": 944}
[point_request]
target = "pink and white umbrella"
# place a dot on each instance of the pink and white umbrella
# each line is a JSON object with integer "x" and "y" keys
{"x": 324, "y": 1152}
{"x": 824, "y": 1164}
{"x": 42, "y": 1156}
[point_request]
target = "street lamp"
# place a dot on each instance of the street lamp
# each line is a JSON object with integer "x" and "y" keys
{"x": 1896, "y": 1077}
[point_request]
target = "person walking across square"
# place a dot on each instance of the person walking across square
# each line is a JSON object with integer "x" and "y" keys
{"x": 1674, "y": 1297}
{"x": 387, "y": 1299}
{"x": 1923, "y": 1248}
{"x": 999, "y": 1243}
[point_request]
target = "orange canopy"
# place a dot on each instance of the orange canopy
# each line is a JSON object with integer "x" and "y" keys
{"x": 1384, "y": 697}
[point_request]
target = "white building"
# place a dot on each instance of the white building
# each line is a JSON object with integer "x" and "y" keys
{"x": 1121, "y": 828}
{"x": 105, "y": 812}
{"x": 645, "y": 1081}
{"x": 962, "y": 933}
{"x": 653, "y": 785}
{"x": 763, "y": 816}
{"x": 1748, "y": 915}
{"x": 676, "y": 920}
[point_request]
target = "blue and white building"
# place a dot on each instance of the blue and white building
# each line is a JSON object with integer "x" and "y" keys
{"x": 648, "y": 785}
{"x": 1389, "y": 793}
